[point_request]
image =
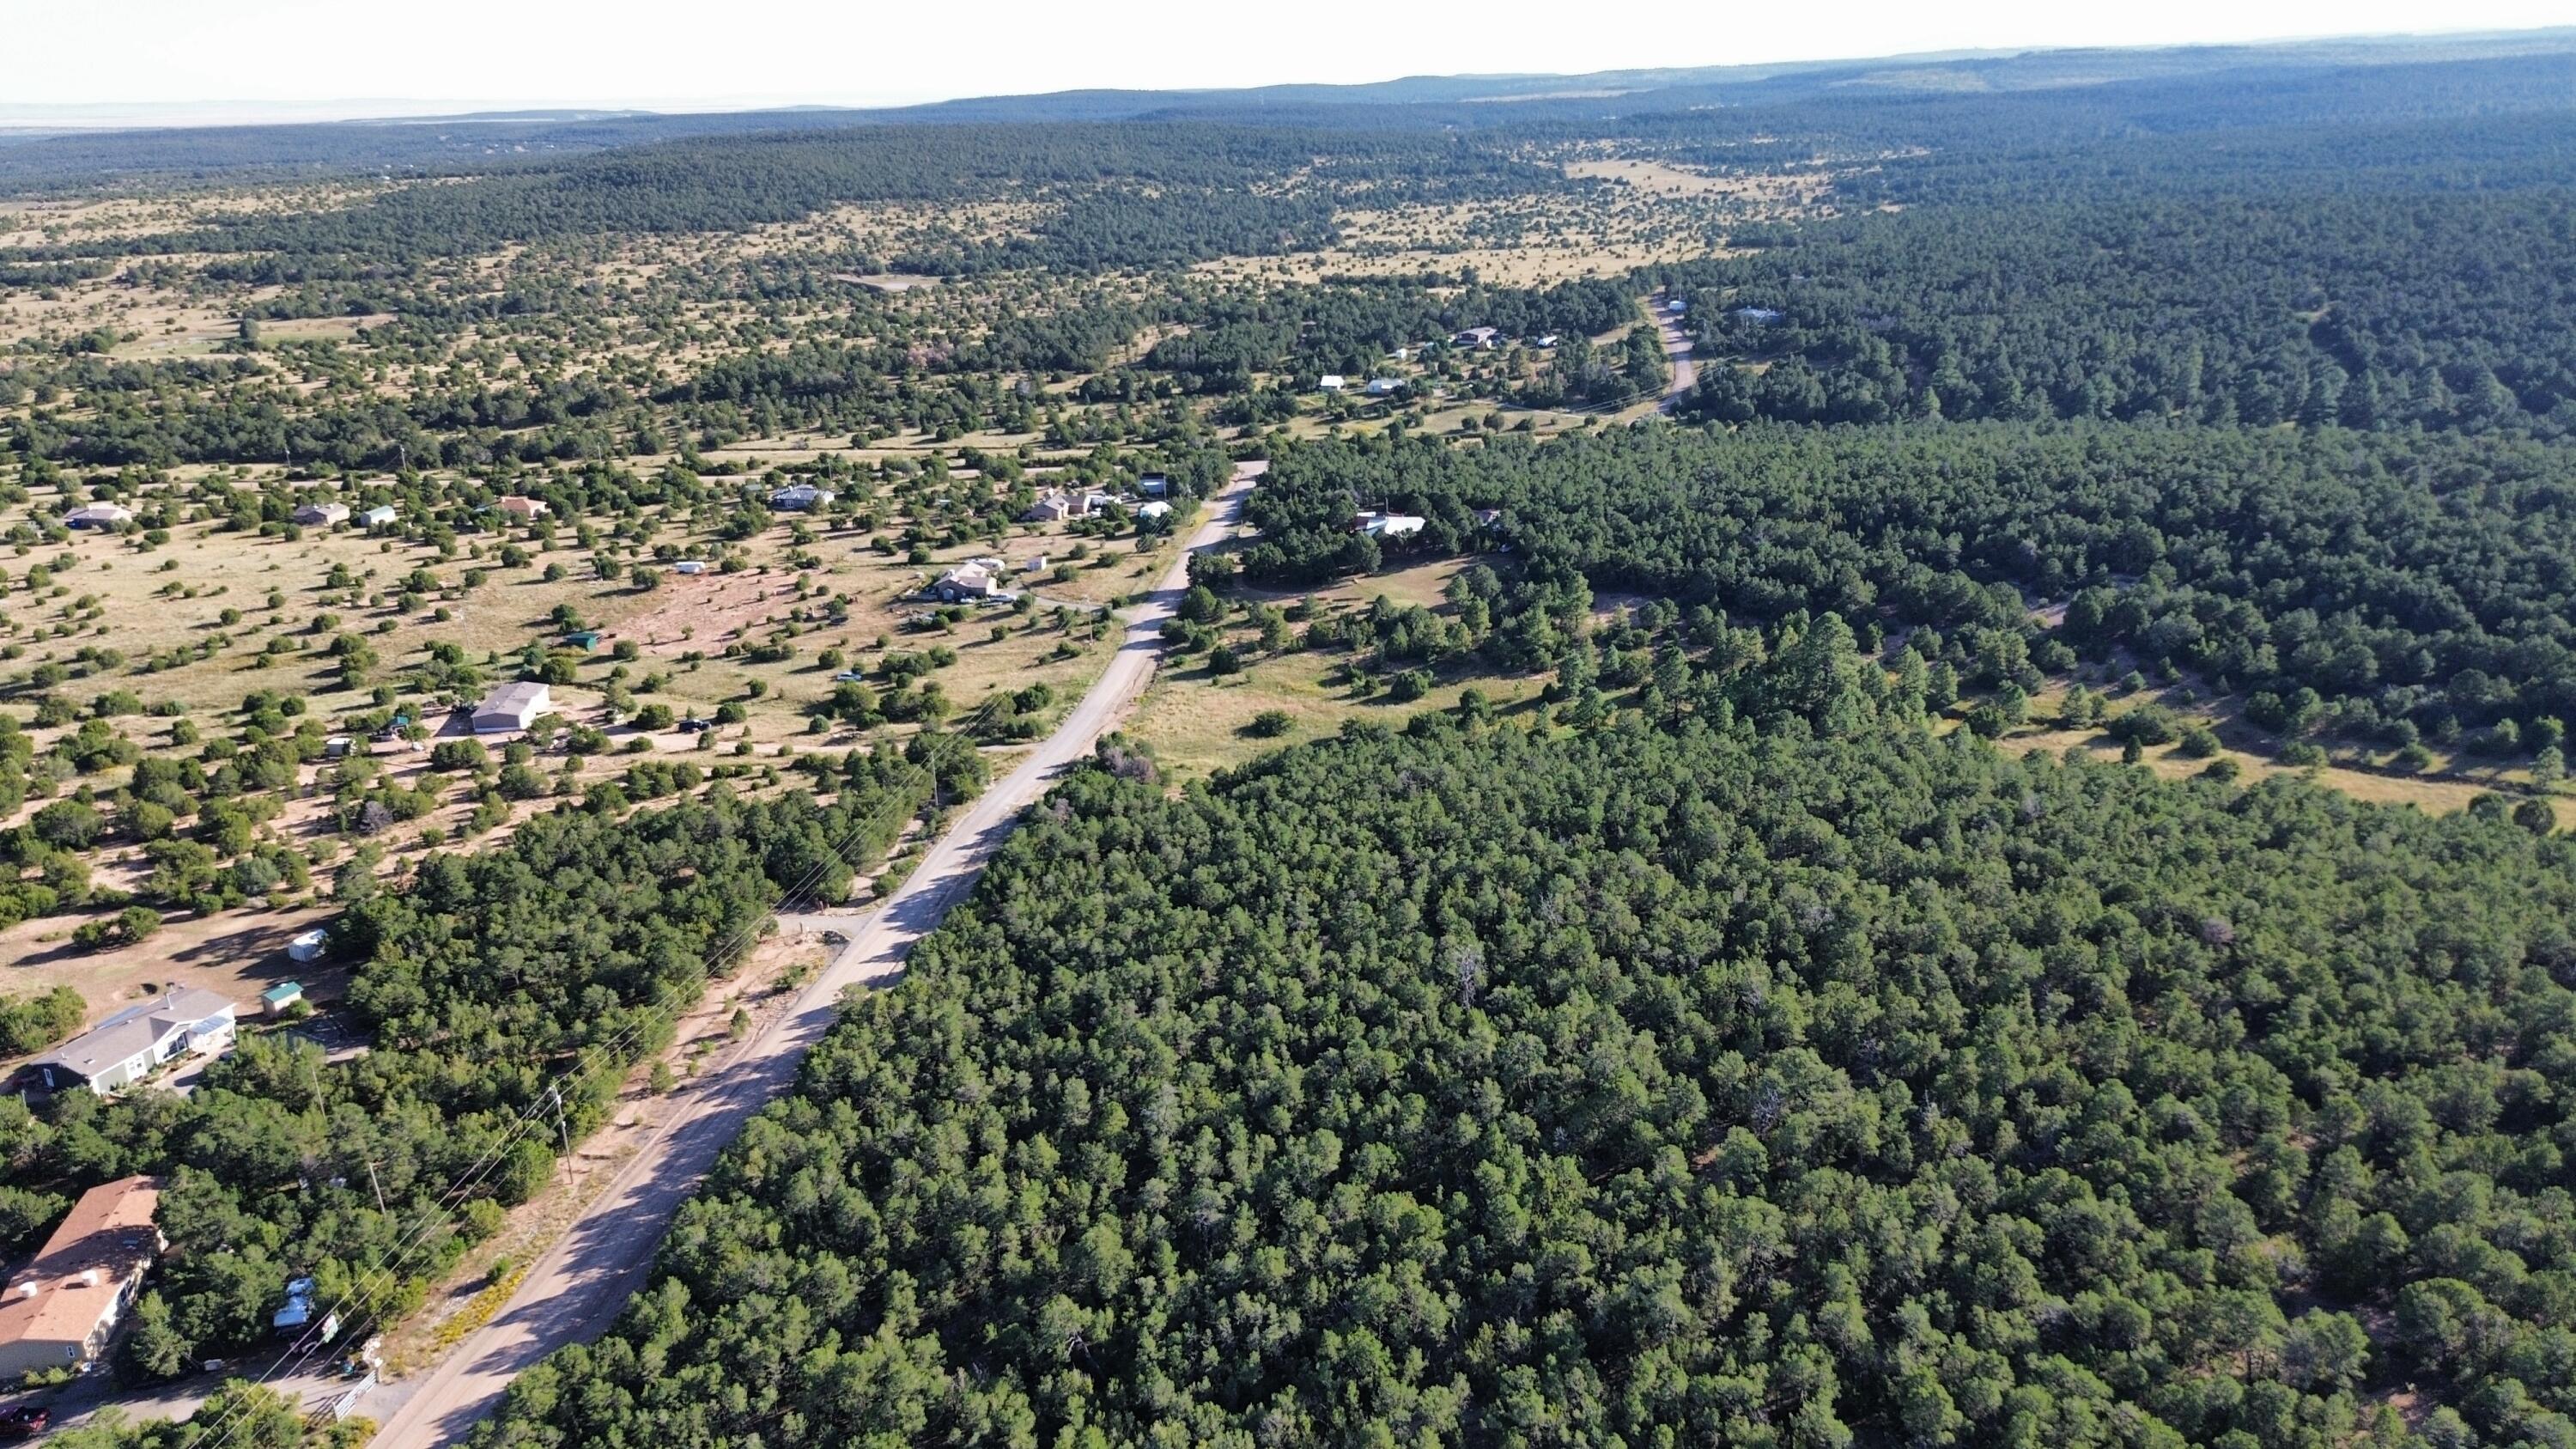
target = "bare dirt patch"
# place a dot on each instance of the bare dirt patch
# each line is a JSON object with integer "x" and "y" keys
{"x": 705, "y": 612}
{"x": 237, "y": 953}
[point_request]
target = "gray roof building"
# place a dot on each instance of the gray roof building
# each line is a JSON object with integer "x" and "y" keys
{"x": 801, "y": 497}
{"x": 512, "y": 706}
{"x": 116, "y": 1052}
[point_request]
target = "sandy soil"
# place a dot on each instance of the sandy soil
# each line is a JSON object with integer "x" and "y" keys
{"x": 239, "y": 953}
{"x": 705, "y": 612}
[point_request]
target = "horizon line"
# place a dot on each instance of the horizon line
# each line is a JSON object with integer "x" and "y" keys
{"x": 217, "y": 112}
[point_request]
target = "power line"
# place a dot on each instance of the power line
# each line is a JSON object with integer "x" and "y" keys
{"x": 367, "y": 1290}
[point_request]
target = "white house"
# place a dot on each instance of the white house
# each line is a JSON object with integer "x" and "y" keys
{"x": 1478, "y": 337}
{"x": 309, "y": 946}
{"x": 118, "y": 1051}
{"x": 61, "y": 1310}
{"x": 511, "y": 706}
{"x": 1390, "y": 525}
{"x": 378, "y": 516}
{"x": 801, "y": 498}
{"x": 1676, "y": 306}
{"x": 97, "y": 515}
{"x": 321, "y": 515}
{"x": 1156, "y": 509}
{"x": 1332, "y": 382}
{"x": 1382, "y": 386}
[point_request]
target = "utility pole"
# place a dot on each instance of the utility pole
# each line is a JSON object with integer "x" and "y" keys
{"x": 378, "y": 1186}
{"x": 554, "y": 1094}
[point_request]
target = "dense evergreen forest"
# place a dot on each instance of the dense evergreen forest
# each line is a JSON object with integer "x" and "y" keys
{"x": 488, "y": 983}
{"x": 1349, "y": 324}
{"x": 2417, "y": 581}
{"x": 2349, "y": 248}
{"x": 1718, "y": 1048}
{"x": 2374, "y": 310}
{"x": 1643, "y": 1086}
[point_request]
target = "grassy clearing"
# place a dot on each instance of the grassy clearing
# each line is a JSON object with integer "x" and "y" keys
{"x": 2434, "y": 794}
{"x": 1197, "y": 724}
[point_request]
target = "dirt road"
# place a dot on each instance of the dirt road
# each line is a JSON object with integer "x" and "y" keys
{"x": 1677, "y": 351}
{"x": 580, "y": 1284}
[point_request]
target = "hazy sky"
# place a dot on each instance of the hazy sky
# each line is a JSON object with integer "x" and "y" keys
{"x": 286, "y": 55}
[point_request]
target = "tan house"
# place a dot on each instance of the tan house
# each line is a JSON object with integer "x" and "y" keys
{"x": 321, "y": 515}
{"x": 959, "y": 585}
{"x": 518, "y": 507}
{"x": 63, "y": 1308}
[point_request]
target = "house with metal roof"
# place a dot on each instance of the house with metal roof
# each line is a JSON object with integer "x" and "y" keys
{"x": 801, "y": 498}
{"x": 97, "y": 515}
{"x": 121, "y": 1050}
{"x": 512, "y": 706}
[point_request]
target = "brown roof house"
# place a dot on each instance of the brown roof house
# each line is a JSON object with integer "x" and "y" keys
{"x": 61, "y": 1310}
{"x": 121, "y": 1050}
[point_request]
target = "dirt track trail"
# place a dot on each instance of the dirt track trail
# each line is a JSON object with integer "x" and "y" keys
{"x": 1677, "y": 351}
{"x": 575, "y": 1290}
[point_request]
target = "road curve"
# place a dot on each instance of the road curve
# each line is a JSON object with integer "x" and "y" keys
{"x": 577, "y": 1288}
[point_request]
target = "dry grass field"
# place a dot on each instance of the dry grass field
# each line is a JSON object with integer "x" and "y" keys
{"x": 661, "y": 308}
{"x": 239, "y": 953}
{"x": 2438, "y": 793}
{"x": 1197, "y": 724}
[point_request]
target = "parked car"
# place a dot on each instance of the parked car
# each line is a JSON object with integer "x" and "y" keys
{"x": 25, "y": 1421}
{"x": 849, "y": 676}
{"x": 696, "y": 726}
